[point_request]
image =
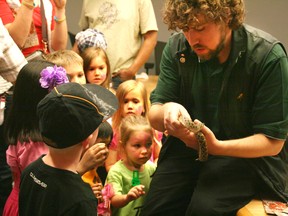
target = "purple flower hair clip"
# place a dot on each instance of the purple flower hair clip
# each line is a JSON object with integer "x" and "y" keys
{"x": 53, "y": 76}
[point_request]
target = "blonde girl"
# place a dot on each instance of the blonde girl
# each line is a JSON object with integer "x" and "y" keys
{"x": 133, "y": 100}
{"x": 96, "y": 66}
{"x": 130, "y": 177}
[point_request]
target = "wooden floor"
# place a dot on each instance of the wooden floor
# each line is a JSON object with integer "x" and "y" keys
{"x": 254, "y": 208}
{"x": 149, "y": 83}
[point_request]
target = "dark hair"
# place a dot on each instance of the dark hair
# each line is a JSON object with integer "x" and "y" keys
{"x": 105, "y": 132}
{"x": 22, "y": 121}
{"x": 182, "y": 14}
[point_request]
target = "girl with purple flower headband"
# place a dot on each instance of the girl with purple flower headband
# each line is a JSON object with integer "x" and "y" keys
{"x": 21, "y": 131}
{"x": 53, "y": 76}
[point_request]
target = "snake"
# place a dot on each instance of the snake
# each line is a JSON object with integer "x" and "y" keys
{"x": 196, "y": 129}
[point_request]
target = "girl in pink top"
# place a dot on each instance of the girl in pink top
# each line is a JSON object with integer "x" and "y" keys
{"x": 21, "y": 129}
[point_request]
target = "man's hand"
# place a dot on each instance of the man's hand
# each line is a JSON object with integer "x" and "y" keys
{"x": 125, "y": 74}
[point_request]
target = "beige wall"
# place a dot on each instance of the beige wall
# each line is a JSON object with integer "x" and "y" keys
{"x": 270, "y": 16}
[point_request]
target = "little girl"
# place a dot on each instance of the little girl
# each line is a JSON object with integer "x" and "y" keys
{"x": 22, "y": 130}
{"x": 96, "y": 66}
{"x": 133, "y": 100}
{"x": 130, "y": 177}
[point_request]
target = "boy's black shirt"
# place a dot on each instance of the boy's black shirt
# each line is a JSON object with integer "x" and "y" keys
{"x": 46, "y": 190}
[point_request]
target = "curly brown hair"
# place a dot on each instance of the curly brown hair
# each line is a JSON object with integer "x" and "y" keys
{"x": 182, "y": 14}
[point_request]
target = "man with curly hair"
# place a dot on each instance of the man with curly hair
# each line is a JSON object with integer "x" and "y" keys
{"x": 234, "y": 78}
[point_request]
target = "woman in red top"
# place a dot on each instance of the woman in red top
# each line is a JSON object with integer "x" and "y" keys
{"x": 24, "y": 23}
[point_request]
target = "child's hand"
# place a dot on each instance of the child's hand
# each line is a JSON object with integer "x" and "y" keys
{"x": 94, "y": 156}
{"x": 135, "y": 192}
{"x": 96, "y": 188}
{"x": 119, "y": 201}
{"x": 100, "y": 153}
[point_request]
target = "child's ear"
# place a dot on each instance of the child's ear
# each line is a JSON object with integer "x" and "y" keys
{"x": 121, "y": 144}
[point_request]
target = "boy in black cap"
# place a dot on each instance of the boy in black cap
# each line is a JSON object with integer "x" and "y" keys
{"x": 69, "y": 117}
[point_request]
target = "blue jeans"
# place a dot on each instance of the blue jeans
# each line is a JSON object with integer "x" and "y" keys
{"x": 116, "y": 81}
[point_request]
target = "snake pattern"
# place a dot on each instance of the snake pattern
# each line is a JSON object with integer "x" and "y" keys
{"x": 196, "y": 128}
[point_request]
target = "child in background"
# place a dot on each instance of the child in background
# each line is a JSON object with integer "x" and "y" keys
{"x": 89, "y": 38}
{"x": 91, "y": 45}
{"x": 133, "y": 100}
{"x": 97, "y": 66}
{"x": 22, "y": 130}
{"x": 71, "y": 61}
{"x": 130, "y": 177}
{"x": 92, "y": 176}
{"x": 105, "y": 135}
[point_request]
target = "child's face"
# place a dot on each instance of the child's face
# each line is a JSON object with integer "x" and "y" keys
{"x": 138, "y": 148}
{"x": 133, "y": 104}
{"x": 97, "y": 72}
{"x": 76, "y": 73}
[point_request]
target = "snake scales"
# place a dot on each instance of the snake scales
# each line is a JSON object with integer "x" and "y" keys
{"x": 196, "y": 128}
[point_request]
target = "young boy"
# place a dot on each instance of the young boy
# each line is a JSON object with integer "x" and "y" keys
{"x": 97, "y": 175}
{"x": 105, "y": 135}
{"x": 69, "y": 117}
{"x": 71, "y": 61}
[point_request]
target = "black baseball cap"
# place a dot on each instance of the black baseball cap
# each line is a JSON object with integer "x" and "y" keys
{"x": 71, "y": 112}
